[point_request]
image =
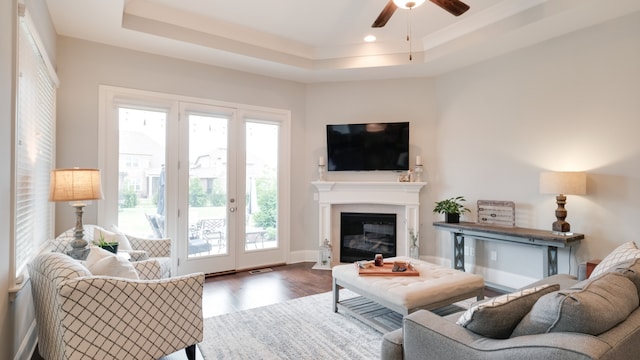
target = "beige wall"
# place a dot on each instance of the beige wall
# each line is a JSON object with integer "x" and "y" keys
{"x": 566, "y": 104}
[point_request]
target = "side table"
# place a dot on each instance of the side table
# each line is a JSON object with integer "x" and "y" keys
{"x": 548, "y": 241}
{"x": 591, "y": 264}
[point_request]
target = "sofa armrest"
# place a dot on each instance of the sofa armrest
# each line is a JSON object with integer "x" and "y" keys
{"x": 136, "y": 255}
{"x": 113, "y": 318}
{"x": 153, "y": 247}
{"x": 429, "y": 336}
{"x": 391, "y": 348}
{"x": 149, "y": 269}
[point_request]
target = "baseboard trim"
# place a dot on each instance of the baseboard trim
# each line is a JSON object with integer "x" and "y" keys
{"x": 28, "y": 344}
{"x": 303, "y": 256}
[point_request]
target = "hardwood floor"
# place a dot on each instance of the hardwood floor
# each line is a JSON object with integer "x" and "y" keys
{"x": 245, "y": 290}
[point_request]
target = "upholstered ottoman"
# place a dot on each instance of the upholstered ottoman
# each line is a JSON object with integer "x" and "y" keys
{"x": 435, "y": 287}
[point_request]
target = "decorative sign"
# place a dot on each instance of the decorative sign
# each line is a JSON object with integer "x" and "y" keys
{"x": 500, "y": 213}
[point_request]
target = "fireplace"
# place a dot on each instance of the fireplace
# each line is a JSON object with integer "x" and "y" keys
{"x": 362, "y": 235}
{"x": 402, "y": 199}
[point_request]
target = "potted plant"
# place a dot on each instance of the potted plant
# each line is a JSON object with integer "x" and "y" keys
{"x": 451, "y": 208}
{"x": 107, "y": 245}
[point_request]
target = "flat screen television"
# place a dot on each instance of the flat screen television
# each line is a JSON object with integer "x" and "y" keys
{"x": 367, "y": 147}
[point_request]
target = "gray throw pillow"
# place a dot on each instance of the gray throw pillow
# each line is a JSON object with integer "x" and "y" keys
{"x": 601, "y": 303}
{"x": 630, "y": 269}
{"x": 497, "y": 317}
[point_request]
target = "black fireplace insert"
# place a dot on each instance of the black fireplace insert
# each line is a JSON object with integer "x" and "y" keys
{"x": 363, "y": 235}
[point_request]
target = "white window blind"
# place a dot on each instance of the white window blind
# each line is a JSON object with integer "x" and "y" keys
{"x": 34, "y": 147}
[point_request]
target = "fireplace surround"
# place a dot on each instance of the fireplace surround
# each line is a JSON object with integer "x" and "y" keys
{"x": 400, "y": 198}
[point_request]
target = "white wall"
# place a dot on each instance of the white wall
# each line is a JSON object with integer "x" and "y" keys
{"x": 485, "y": 131}
{"x": 7, "y": 11}
{"x": 17, "y": 336}
{"x": 83, "y": 66}
{"x": 410, "y": 100}
{"x": 566, "y": 104}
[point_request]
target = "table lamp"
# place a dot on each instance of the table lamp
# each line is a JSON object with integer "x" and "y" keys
{"x": 76, "y": 186}
{"x": 562, "y": 183}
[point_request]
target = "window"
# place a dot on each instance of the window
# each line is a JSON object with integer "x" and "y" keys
{"x": 34, "y": 148}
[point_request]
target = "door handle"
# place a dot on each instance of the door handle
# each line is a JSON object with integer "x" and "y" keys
{"x": 233, "y": 208}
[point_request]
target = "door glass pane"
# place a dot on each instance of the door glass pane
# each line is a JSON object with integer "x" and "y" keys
{"x": 207, "y": 185}
{"x": 141, "y": 172}
{"x": 262, "y": 190}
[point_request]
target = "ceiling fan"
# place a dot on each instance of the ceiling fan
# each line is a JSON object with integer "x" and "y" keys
{"x": 455, "y": 7}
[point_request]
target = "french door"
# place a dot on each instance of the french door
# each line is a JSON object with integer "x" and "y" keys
{"x": 228, "y": 181}
{"x": 211, "y": 177}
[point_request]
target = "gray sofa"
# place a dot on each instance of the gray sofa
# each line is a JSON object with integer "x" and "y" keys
{"x": 428, "y": 336}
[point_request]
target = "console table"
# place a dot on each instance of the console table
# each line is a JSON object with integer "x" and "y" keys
{"x": 547, "y": 240}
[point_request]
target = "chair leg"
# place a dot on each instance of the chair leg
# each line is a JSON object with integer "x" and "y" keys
{"x": 191, "y": 352}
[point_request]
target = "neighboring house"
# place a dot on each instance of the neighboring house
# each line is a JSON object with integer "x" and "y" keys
{"x": 140, "y": 163}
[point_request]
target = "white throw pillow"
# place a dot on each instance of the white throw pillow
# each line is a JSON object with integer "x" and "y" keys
{"x": 120, "y": 238}
{"x": 103, "y": 262}
{"x": 124, "y": 244}
{"x": 624, "y": 252}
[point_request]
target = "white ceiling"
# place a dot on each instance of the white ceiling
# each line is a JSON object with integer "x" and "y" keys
{"x": 321, "y": 40}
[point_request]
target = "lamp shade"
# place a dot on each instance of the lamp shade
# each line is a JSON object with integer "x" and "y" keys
{"x": 566, "y": 183}
{"x": 404, "y": 4}
{"x": 75, "y": 185}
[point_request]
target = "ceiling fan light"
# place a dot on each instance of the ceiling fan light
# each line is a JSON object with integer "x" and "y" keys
{"x": 404, "y": 4}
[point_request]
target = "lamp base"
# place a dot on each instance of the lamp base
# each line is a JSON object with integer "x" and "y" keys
{"x": 561, "y": 226}
{"x": 79, "y": 253}
{"x": 79, "y": 249}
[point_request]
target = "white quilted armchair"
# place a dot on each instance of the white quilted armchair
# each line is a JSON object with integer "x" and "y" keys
{"x": 154, "y": 254}
{"x": 82, "y": 316}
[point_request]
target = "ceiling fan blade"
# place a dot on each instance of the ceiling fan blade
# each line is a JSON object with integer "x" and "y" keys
{"x": 455, "y": 7}
{"x": 385, "y": 15}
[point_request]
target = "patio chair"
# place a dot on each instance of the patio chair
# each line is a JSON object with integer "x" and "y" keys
{"x": 252, "y": 237}
{"x": 210, "y": 229}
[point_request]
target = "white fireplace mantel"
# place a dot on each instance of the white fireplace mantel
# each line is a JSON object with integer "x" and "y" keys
{"x": 404, "y": 196}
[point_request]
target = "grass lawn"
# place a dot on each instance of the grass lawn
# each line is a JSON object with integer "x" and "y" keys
{"x": 133, "y": 220}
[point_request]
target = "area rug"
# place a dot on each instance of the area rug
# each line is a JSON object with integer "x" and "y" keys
{"x": 303, "y": 328}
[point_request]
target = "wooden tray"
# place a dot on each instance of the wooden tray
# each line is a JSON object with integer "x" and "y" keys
{"x": 385, "y": 270}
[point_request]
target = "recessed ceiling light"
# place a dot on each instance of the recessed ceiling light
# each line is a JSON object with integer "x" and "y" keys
{"x": 370, "y": 38}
